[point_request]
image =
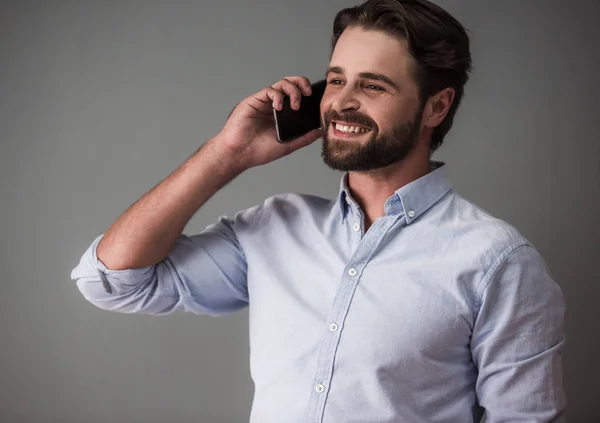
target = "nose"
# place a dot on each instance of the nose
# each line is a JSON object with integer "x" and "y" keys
{"x": 345, "y": 100}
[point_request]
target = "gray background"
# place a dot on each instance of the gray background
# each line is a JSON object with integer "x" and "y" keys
{"x": 101, "y": 100}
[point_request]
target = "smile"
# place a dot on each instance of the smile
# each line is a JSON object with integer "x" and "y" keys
{"x": 349, "y": 129}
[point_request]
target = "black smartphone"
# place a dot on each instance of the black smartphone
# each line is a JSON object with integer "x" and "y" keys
{"x": 290, "y": 123}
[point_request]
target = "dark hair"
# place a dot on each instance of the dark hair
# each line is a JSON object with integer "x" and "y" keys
{"x": 436, "y": 40}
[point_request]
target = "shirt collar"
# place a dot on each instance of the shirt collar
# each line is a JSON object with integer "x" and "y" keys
{"x": 413, "y": 199}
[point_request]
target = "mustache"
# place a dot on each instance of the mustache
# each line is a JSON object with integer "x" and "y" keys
{"x": 350, "y": 118}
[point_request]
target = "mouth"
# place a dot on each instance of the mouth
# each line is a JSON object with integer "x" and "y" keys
{"x": 345, "y": 130}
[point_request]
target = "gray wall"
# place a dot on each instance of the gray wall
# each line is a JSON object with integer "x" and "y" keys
{"x": 101, "y": 100}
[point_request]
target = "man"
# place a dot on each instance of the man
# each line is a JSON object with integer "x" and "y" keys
{"x": 397, "y": 301}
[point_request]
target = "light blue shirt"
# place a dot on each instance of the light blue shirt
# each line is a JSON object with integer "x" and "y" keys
{"x": 437, "y": 312}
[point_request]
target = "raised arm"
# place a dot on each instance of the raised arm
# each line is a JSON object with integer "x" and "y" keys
{"x": 144, "y": 263}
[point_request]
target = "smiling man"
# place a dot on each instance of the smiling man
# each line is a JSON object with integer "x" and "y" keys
{"x": 396, "y": 301}
{"x": 368, "y": 98}
{"x": 371, "y": 85}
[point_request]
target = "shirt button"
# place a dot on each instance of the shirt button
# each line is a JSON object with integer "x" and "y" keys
{"x": 356, "y": 227}
{"x": 333, "y": 327}
{"x": 411, "y": 213}
{"x": 347, "y": 199}
{"x": 352, "y": 271}
{"x": 319, "y": 388}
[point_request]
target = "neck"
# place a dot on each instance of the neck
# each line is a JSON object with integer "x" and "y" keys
{"x": 371, "y": 189}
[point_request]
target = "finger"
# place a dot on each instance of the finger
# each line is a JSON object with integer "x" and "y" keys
{"x": 302, "y": 82}
{"x": 290, "y": 89}
{"x": 293, "y": 91}
{"x": 274, "y": 93}
{"x": 275, "y": 96}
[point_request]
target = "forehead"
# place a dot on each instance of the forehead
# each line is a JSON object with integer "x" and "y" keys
{"x": 359, "y": 50}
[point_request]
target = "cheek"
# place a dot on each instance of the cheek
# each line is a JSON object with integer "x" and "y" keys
{"x": 386, "y": 116}
{"x": 395, "y": 114}
{"x": 326, "y": 101}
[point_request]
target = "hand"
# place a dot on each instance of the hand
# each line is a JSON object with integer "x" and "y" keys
{"x": 249, "y": 134}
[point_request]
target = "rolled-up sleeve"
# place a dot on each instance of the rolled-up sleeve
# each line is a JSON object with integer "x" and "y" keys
{"x": 203, "y": 274}
{"x": 518, "y": 341}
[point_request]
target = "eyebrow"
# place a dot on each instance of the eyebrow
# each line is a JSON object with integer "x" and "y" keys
{"x": 366, "y": 75}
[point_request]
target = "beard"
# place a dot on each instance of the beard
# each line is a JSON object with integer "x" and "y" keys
{"x": 382, "y": 149}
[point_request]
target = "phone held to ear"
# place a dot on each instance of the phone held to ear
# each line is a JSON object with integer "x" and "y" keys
{"x": 291, "y": 124}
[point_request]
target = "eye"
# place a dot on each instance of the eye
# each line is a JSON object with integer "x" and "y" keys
{"x": 335, "y": 81}
{"x": 374, "y": 87}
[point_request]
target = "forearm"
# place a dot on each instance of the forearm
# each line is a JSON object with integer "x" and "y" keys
{"x": 146, "y": 232}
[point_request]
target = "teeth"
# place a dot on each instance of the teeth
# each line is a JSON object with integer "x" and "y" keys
{"x": 350, "y": 129}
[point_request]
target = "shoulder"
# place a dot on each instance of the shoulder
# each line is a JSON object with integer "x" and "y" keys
{"x": 477, "y": 224}
{"x": 466, "y": 231}
{"x": 283, "y": 207}
{"x": 490, "y": 247}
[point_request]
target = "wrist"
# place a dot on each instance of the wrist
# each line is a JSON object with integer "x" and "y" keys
{"x": 228, "y": 158}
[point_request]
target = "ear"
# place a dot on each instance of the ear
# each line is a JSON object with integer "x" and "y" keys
{"x": 437, "y": 107}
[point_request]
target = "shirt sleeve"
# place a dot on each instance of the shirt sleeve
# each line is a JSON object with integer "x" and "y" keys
{"x": 203, "y": 274}
{"x": 517, "y": 341}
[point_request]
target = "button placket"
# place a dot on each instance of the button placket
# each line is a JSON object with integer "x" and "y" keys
{"x": 342, "y": 301}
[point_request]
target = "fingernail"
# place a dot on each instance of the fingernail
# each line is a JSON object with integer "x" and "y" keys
{"x": 296, "y": 104}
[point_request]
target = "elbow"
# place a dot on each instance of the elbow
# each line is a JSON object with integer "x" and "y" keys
{"x": 97, "y": 291}
{"x": 128, "y": 291}
{"x": 109, "y": 289}
{"x": 116, "y": 291}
